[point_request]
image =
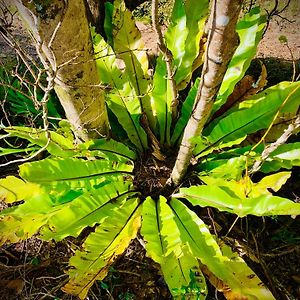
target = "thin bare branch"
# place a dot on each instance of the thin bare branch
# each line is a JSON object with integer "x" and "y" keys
{"x": 25, "y": 57}
{"x": 273, "y": 146}
{"x": 43, "y": 103}
{"x": 22, "y": 160}
{"x": 276, "y": 12}
{"x": 71, "y": 61}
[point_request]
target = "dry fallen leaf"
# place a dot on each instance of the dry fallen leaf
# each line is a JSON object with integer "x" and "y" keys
{"x": 14, "y": 284}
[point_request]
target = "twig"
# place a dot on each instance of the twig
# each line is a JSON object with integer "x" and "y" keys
{"x": 285, "y": 19}
{"x": 54, "y": 290}
{"x": 2, "y": 103}
{"x": 285, "y": 7}
{"x": 282, "y": 252}
{"x": 270, "y": 14}
{"x": 212, "y": 222}
{"x": 276, "y": 12}
{"x": 25, "y": 57}
{"x": 51, "y": 277}
{"x": 50, "y": 78}
{"x": 252, "y": 2}
{"x": 273, "y": 146}
{"x": 54, "y": 34}
{"x": 8, "y": 253}
{"x": 168, "y": 57}
{"x": 232, "y": 225}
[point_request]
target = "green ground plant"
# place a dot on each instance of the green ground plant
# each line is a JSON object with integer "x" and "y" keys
{"x": 105, "y": 184}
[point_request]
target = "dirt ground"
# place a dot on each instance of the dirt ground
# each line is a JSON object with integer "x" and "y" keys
{"x": 286, "y": 24}
{"x": 34, "y": 269}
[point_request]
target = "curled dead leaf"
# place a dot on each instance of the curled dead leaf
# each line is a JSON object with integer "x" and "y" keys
{"x": 243, "y": 90}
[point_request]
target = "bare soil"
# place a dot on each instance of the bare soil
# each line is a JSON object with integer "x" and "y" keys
{"x": 288, "y": 25}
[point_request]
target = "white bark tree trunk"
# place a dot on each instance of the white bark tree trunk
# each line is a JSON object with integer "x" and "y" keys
{"x": 222, "y": 41}
{"x": 60, "y": 31}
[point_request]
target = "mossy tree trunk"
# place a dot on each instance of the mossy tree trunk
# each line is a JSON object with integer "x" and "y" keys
{"x": 61, "y": 33}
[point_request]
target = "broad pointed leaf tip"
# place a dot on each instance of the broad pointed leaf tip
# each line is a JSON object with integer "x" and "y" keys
{"x": 250, "y": 30}
{"x": 225, "y": 266}
{"x": 166, "y": 246}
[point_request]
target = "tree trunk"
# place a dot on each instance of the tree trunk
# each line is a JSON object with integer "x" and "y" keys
{"x": 221, "y": 44}
{"x": 61, "y": 33}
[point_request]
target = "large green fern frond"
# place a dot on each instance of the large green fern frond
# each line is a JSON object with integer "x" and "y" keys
{"x": 102, "y": 247}
{"x": 73, "y": 173}
{"x": 164, "y": 245}
{"x": 250, "y": 116}
{"x": 203, "y": 246}
{"x": 243, "y": 197}
{"x": 122, "y": 99}
{"x": 64, "y": 195}
{"x": 183, "y": 37}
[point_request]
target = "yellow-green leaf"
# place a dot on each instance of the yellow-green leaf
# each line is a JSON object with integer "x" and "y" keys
{"x": 123, "y": 100}
{"x": 57, "y": 145}
{"x": 102, "y": 248}
{"x": 161, "y": 99}
{"x": 232, "y": 270}
{"x": 23, "y": 221}
{"x": 130, "y": 48}
{"x": 251, "y": 286}
{"x": 13, "y": 189}
{"x": 85, "y": 210}
{"x": 183, "y": 36}
{"x": 250, "y": 30}
{"x": 274, "y": 182}
{"x": 236, "y": 198}
{"x": 62, "y": 174}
